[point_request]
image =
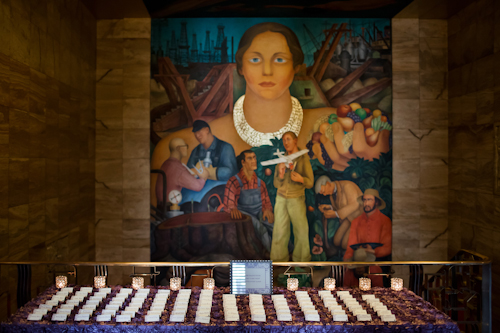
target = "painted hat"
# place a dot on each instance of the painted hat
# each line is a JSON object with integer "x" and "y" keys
{"x": 374, "y": 192}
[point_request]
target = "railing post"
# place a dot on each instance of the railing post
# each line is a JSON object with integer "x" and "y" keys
{"x": 486, "y": 296}
{"x": 23, "y": 284}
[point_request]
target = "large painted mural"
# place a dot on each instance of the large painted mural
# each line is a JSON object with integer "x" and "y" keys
{"x": 271, "y": 139}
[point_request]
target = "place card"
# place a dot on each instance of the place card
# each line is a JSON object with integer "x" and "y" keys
{"x": 165, "y": 291}
{"x": 92, "y": 302}
{"x": 364, "y": 317}
{"x": 51, "y": 303}
{"x": 353, "y": 308}
{"x": 105, "y": 290}
{"x": 64, "y": 311}
{"x": 365, "y": 297}
{"x": 307, "y": 307}
{"x": 46, "y": 306}
{"x": 335, "y": 307}
{"x": 87, "y": 289}
{"x": 35, "y": 316}
{"x": 43, "y": 312}
{"x": 312, "y": 316}
{"x": 122, "y": 318}
{"x": 379, "y": 307}
{"x": 103, "y": 317}
{"x": 67, "y": 290}
{"x": 59, "y": 317}
{"x": 388, "y": 317}
{"x": 337, "y": 312}
{"x": 158, "y": 308}
{"x": 343, "y": 292}
{"x": 151, "y": 318}
{"x": 384, "y": 312}
{"x": 202, "y": 319}
{"x": 284, "y": 317}
{"x": 340, "y": 317}
{"x": 128, "y": 291}
{"x": 89, "y": 306}
{"x": 154, "y": 312}
{"x": 232, "y": 318}
{"x": 108, "y": 312}
{"x": 58, "y": 298}
{"x": 67, "y": 306}
{"x": 82, "y": 317}
{"x": 85, "y": 311}
{"x": 132, "y": 308}
{"x": 129, "y": 313}
{"x": 73, "y": 301}
{"x": 258, "y": 317}
{"x": 203, "y": 312}
{"x": 359, "y": 311}
{"x": 176, "y": 318}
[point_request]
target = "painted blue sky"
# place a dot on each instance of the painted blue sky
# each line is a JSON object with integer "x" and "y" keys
{"x": 161, "y": 29}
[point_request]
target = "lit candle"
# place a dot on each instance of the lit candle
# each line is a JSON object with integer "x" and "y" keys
{"x": 208, "y": 283}
{"x": 292, "y": 284}
{"x": 365, "y": 284}
{"x": 100, "y": 281}
{"x": 137, "y": 282}
{"x": 61, "y": 281}
{"x": 397, "y": 284}
{"x": 175, "y": 283}
{"x": 329, "y": 284}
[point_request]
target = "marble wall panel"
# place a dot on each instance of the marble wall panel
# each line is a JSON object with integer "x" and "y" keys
{"x": 136, "y": 143}
{"x": 406, "y": 113}
{"x": 4, "y": 131}
{"x": 138, "y": 172}
{"x": 18, "y": 181}
{"x": 434, "y": 114}
{"x": 18, "y": 224}
{"x": 406, "y": 85}
{"x": 136, "y": 28}
{"x": 405, "y": 53}
{"x": 433, "y": 173}
{"x": 406, "y": 173}
{"x": 433, "y": 85}
{"x": 36, "y": 228}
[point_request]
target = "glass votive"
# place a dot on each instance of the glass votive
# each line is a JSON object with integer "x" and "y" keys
{"x": 329, "y": 284}
{"x": 365, "y": 284}
{"x": 137, "y": 282}
{"x": 100, "y": 281}
{"x": 208, "y": 283}
{"x": 175, "y": 283}
{"x": 397, "y": 284}
{"x": 292, "y": 284}
{"x": 61, "y": 281}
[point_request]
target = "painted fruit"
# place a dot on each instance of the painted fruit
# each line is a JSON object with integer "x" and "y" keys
{"x": 361, "y": 113}
{"x": 268, "y": 172}
{"x": 377, "y": 113}
{"x": 347, "y": 123}
{"x": 355, "y": 106}
{"x": 322, "y": 127}
{"x": 343, "y": 110}
{"x": 383, "y": 119}
{"x": 367, "y": 110}
{"x": 316, "y": 137}
{"x": 310, "y": 208}
{"x": 369, "y": 132}
{"x": 372, "y": 139}
{"x": 367, "y": 122}
{"x": 332, "y": 119}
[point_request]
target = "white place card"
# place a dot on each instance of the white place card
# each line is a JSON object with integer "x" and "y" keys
{"x": 35, "y": 316}
{"x": 154, "y": 312}
{"x": 105, "y": 290}
{"x": 59, "y": 317}
{"x": 103, "y": 317}
{"x": 112, "y": 307}
{"x": 337, "y": 312}
{"x": 68, "y": 306}
{"x": 100, "y": 294}
{"x": 58, "y": 298}
{"x": 151, "y": 318}
{"x": 364, "y": 317}
{"x": 64, "y": 311}
{"x": 87, "y": 289}
{"x": 358, "y": 312}
{"x": 258, "y": 317}
{"x": 203, "y": 312}
{"x": 92, "y": 302}
{"x": 335, "y": 308}
{"x": 122, "y": 318}
{"x": 177, "y": 318}
{"x": 89, "y": 306}
{"x": 277, "y": 296}
{"x": 164, "y": 291}
{"x": 308, "y": 307}
{"x": 43, "y": 312}
{"x": 365, "y": 297}
{"x": 67, "y": 289}
{"x": 46, "y": 306}
{"x": 390, "y": 317}
{"x": 384, "y": 312}
{"x": 284, "y": 317}
{"x": 232, "y": 318}
{"x": 343, "y": 292}
{"x": 128, "y": 313}
{"x": 85, "y": 311}
{"x": 312, "y": 316}
{"x": 379, "y": 307}
{"x": 51, "y": 303}
{"x": 340, "y": 317}
{"x": 108, "y": 312}
{"x": 301, "y": 292}
{"x": 179, "y": 312}
{"x": 82, "y": 317}
{"x": 353, "y": 308}
{"x": 73, "y": 301}
{"x": 202, "y": 319}
{"x": 157, "y": 308}
{"x": 127, "y": 291}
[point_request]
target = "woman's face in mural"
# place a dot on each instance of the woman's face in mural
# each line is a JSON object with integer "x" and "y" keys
{"x": 268, "y": 65}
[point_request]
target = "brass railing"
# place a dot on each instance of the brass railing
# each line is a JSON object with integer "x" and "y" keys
{"x": 428, "y": 285}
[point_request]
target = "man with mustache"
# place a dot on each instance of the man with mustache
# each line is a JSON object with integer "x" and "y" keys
{"x": 371, "y": 227}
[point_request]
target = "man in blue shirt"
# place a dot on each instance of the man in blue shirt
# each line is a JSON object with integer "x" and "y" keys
{"x": 220, "y": 163}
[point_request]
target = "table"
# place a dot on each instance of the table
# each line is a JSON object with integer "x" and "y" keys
{"x": 413, "y": 315}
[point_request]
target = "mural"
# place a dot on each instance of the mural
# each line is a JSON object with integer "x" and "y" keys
{"x": 271, "y": 139}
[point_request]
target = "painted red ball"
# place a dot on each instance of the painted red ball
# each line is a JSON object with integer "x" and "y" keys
{"x": 343, "y": 110}
{"x": 268, "y": 172}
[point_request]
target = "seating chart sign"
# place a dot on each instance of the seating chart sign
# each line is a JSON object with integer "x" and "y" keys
{"x": 251, "y": 277}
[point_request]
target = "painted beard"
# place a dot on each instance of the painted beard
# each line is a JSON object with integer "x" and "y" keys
{"x": 369, "y": 209}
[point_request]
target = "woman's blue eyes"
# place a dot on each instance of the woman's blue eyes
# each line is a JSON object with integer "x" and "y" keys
{"x": 258, "y": 60}
{"x": 280, "y": 60}
{"x": 255, "y": 60}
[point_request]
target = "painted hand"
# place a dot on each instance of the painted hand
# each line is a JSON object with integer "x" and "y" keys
{"x": 369, "y": 249}
{"x": 281, "y": 170}
{"x": 268, "y": 215}
{"x": 296, "y": 177}
{"x": 236, "y": 214}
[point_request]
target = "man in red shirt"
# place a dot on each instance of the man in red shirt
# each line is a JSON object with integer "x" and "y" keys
{"x": 371, "y": 227}
{"x": 245, "y": 193}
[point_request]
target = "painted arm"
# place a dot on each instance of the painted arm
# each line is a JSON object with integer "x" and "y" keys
{"x": 227, "y": 165}
{"x": 385, "y": 239}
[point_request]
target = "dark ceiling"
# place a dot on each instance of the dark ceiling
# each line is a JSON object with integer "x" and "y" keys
{"x": 276, "y": 8}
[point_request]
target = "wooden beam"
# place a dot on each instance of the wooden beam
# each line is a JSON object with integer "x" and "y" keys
{"x": 340, "y": 88}
{"x": 362, "y": 93}
{"x": 215, "y": 88}
{"x": 329, "y": 56}
{"x": 317, "y": 61}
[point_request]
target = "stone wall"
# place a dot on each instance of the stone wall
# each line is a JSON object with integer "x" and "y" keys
{"x": 122, "y": 143}
{"x": 420, "y": 152}
{"x": 47, "y": 138}
{"x": 474, "y": 67}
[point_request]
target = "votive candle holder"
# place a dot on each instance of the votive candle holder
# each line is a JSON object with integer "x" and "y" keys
{"x": 292, "y": 284}
{"x": 208, "y": 283}
{"x": 100, "y": 281}
{"x": 365, "y": 284}
{"x": 137, "y": 282}
{"x": 330, "y": 284}
{"x": 175, "y": 283}
{"x": 61, "y": 281}
{"x": 396, "y": 284}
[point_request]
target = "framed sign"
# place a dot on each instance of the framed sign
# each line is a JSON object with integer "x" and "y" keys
{"x": 251, "y": 277}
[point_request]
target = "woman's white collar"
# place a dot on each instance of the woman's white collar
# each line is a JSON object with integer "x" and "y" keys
{"x": 255, "y": 138}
